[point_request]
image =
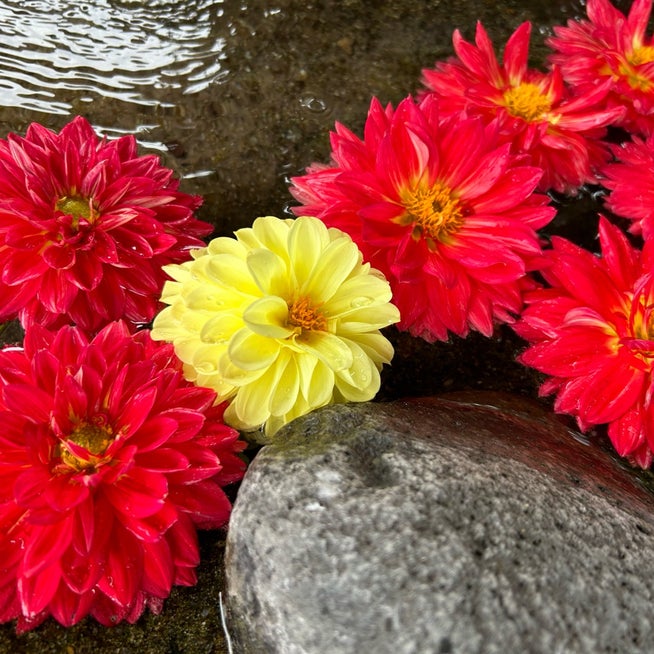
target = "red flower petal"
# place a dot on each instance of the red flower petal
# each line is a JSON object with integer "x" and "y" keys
{"x": 38, "y": 590}
{"x": 136, "y": 412}
{"x": 591, "y": 331}
{"x": 44, "y": 551}
{"x": 69, "y": 607}
{"x": 158, "y": 568}
{"x": 95, "y": 528}
{"x": 140, "y": 495}
{"x": 124, "y": 569}
{"x": 443, "y": 225}
{"x": 71, "y": 203}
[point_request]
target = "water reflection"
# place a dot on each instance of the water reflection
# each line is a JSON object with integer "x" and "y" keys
{"x": 127, "y": 50}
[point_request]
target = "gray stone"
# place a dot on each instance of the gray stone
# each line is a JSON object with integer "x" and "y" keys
{"x": 474, "y": 523}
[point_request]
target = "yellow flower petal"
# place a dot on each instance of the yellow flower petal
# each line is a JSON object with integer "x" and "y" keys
{"x": 268, "y": 232}
{"x": 354, "y": 393}
{"x": 269, "y": 272}
{"x": 165, "y": 327}
{"x": 231, "y": 418}
{"x": 316, "y": 381}
{"x": 232, "y": 273}
{"x": 363, "y": 371}
{"x": 331, "y": 270}
{"x": 185, "y": 346}
{"x": 329, "y": 348}
{"x": 220, "y": 328}
{"x": 252, "y": 401}
{"x": 191, "y": 322}
{"x": 274, "y": 423}
{"x": 286, "y": 386}
{"x": 366, "y": 319}
{"x": 307, "y": 240}
{"x": 250, "y": 351}
{"x": 224, "y": 245}
{"x": 180, "y": 272}
{"x": 267, "y": 317}
{"x": 235, "y": 376}
{"x": 375, "y": 345}
{"x": 284, "y": 318}
{"x": 356, "y": 293}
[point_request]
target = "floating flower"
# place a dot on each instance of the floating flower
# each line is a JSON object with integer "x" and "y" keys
{"x": 611, "y": 48}
{"x": 447, "y": 214}
{"x": 592, "y": 332}
{"x": 109, "y": 461}
{"x": 631, "y": 181}
{"x": 283, "y": 319}
{"x": 85, "y": 226}
{"x": 536, "y": 113}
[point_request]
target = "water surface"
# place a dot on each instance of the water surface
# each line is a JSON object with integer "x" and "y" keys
{"x": 130, "y": 51}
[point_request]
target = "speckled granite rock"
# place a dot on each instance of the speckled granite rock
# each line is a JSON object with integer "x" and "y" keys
{"x": 477, "y": 524}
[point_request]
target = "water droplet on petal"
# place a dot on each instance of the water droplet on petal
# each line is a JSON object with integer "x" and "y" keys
{"x": 363, "y": 301}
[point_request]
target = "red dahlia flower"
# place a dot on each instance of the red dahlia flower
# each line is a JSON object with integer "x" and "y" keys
{"x": 631, "y": 181}
{"x": 85, "y": 226}
{"x": 592, "y": 332}
{"x": 611, "y": 48}
{"x": 109, "y": 461}
{"x": 447, "y": 214}
{"x": 536, "y": 113}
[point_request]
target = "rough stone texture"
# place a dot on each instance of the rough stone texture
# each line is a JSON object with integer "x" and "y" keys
{"x": 471, "y": 524}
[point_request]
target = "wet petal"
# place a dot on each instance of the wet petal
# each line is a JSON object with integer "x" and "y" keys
{"x": 268, "y": 317}
{"x": 329, "y": 348}
{"x": 334, "y": 266}
{"x": 269, "y": 272}
{"x": 251, "y": 351}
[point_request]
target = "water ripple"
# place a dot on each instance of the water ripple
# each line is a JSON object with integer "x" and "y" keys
{"x": 128, "y": 50}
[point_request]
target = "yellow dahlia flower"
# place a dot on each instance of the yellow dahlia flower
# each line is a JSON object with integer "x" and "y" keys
{"x": 282, "y": 319}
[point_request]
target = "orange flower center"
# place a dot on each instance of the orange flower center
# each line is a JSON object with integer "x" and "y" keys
{"x": 94, "y": 438}
{"x": 643, "y": 54}
{"x": 303, "y": 314}
{"x": 78, "y": 207}
{"x": 526, "y": 101}
{"x": 434, "y": 212}
{"x": 639, "y": 336}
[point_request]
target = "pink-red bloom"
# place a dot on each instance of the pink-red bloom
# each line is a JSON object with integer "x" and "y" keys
{"x": 592, "y": 332}
{"x": 611, "y": 48}
{"x": 109, "y": 461}
{"x": 631, "y": 181}
{"x": 85, "y": 226}
{"x": 447, "y": 214}
{"x": 537, "y": 114}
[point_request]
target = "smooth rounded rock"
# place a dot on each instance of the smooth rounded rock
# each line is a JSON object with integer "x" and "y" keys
{"x": 470, "y": 523}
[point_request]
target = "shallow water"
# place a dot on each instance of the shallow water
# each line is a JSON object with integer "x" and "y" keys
{"x": 128, "y": 50}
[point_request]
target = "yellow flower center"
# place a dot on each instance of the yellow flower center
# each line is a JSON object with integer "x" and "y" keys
{"x": 78, "y": 207}
{"x": 526, "y": 101}
{"x": 434, "y": 212}
{"x": 94, "y": 438}
{"x": 303, "y": 314}
{"x": 643, "y": 54}
{"x": 638, "y": 335}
